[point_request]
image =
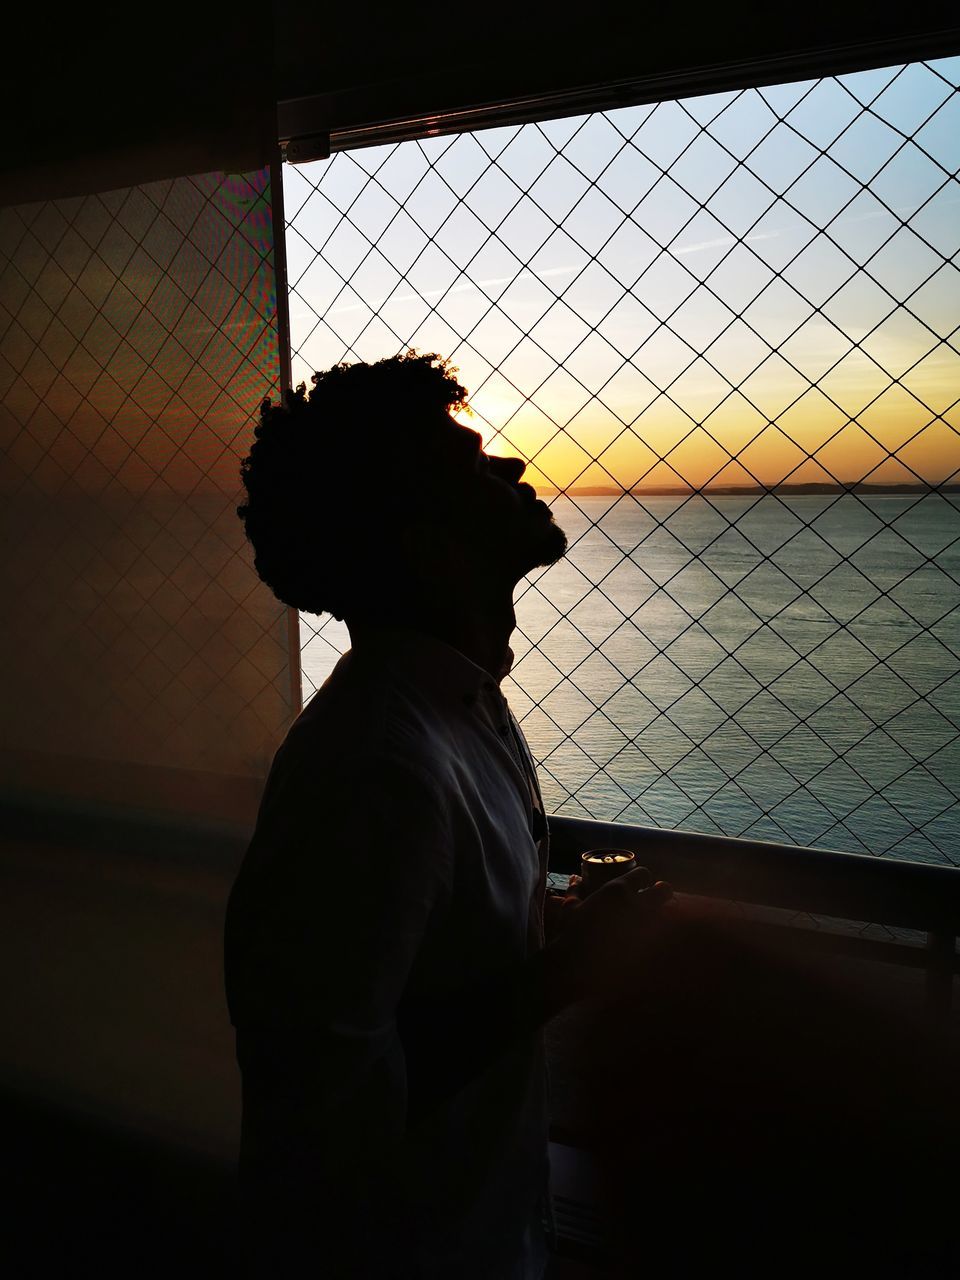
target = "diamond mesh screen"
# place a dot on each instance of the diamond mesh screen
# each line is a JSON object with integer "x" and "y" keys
{"x": 723, "y": 334}
{"x": 142, "y": 661}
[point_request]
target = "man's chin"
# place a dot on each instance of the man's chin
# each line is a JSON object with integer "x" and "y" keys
{"x": 547, "y": 548}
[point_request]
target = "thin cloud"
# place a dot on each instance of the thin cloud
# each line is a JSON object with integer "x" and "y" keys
{"x": 724, "y": 242}
{"x": 427, "y": 295}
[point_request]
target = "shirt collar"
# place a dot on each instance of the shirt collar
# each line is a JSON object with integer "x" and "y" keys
{"x": 432, "y": 663}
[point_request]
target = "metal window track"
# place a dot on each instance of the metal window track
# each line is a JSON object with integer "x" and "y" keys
{"x": 312, "y": 127}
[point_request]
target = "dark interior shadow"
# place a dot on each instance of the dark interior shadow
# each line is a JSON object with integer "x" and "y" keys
{"x": 753, "y": 1111}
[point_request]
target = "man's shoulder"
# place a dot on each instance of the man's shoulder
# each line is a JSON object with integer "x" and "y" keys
{"x": 367, "y": 717}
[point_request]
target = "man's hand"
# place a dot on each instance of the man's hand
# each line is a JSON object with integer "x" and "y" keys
{"x": 557, "y": 909}
{"x": 608, "y": 936}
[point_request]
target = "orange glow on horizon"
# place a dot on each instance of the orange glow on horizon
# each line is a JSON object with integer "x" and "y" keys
{"x": 876, "y": 434}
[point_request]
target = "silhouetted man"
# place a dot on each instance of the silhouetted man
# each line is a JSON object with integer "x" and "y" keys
{"x": 385, "y": 959}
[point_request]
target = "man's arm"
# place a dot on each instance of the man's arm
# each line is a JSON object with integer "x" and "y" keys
{"x": 348, "y": 864}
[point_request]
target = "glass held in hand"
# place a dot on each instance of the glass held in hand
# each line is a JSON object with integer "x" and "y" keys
{"x": 598, "y": 866}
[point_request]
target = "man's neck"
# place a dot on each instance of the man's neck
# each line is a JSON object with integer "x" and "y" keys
{"x": 479, "y": 629}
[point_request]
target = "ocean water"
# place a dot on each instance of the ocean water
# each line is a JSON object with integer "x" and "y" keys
{"x": 780, "y": 667}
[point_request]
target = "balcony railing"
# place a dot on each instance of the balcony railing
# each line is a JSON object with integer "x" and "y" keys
{"x": 886, "y": 910}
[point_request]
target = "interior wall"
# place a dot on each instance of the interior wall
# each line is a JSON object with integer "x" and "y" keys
{"x": 94, "y": 100}
{"x": 116, "y": 1012}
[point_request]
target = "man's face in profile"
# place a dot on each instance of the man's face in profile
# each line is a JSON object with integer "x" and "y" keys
{"x": 492, "y": 511}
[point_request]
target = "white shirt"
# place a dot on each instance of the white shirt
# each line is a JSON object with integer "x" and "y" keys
{"x": 393, "y": 886}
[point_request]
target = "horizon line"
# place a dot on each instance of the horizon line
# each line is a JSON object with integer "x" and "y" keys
{"x": 855, "y": 486}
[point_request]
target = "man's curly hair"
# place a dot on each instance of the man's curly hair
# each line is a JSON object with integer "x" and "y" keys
{"x": 325, "y": 474}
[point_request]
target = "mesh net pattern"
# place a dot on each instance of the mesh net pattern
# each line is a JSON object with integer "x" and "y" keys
{"x": 722, "y": 332}
{"x": 138, "y": 335}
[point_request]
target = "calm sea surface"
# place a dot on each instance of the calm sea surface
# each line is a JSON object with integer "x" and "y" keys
{"x": 779, "y": 667}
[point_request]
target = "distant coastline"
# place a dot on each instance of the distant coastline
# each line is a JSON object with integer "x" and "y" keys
{"x": 745, "y": 490}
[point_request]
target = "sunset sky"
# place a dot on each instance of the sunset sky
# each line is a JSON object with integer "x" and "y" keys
{"x": 653, "y": 288}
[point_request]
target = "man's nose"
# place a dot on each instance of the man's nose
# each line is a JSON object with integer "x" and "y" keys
{"x": 509, "y": 468}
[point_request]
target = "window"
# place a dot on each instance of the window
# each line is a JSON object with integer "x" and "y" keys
{"x": 143, "y": 661}
{"x": 723, "y": 333}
